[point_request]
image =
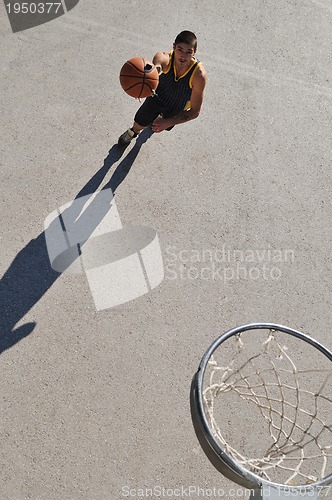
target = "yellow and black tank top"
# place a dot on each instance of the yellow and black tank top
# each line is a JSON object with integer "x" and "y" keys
{"x": 173, "y": 92}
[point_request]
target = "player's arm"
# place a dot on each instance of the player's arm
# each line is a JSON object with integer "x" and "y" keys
{"x": 161, "y": 61}
{"x": 196, "y": 101}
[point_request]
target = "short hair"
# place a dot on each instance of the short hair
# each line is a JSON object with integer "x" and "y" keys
{"x": 187, "y": 37}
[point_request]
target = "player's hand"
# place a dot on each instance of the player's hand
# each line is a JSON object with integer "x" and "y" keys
{"x": 160, "y": 124}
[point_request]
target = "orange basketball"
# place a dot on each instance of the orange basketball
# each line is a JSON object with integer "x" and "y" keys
{"x": 139, "y": 77}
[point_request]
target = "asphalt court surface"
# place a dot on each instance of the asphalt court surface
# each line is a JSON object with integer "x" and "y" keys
{"x": 95, "y": 403}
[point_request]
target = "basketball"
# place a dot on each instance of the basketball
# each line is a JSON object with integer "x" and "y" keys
{"x": 139, "y": 77}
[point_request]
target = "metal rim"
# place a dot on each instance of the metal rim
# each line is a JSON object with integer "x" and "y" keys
{"x": 223, "y": 462}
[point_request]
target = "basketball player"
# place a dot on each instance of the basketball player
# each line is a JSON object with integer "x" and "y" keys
{"x": 179, "y": 95}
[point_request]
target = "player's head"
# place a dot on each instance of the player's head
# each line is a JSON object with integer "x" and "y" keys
{"x": 186, "y": 38}
{"x": 184, "y": 46}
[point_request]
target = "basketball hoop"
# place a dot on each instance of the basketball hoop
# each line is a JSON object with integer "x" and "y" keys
{"x": 280, "y": 381}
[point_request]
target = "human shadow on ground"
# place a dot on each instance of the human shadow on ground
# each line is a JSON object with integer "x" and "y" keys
{"x": 30, "y": 274}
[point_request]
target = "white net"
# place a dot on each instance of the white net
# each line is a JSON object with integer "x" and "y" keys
{"x": 267, "y": 398}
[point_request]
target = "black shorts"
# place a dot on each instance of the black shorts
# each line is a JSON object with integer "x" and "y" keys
{"x": 151, "y": 109}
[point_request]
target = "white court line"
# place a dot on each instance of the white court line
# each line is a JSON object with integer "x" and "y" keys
{"x": 265, "y": 75}
{"x": 327, "y": 5}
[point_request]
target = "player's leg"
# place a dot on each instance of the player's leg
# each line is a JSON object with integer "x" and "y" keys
{"x": 145, "y": 115}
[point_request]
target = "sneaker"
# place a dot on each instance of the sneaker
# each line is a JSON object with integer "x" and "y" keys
{"x": 126, "y": 137}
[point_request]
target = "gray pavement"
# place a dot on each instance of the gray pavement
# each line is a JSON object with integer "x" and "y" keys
{"x": 96, "y": 402}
